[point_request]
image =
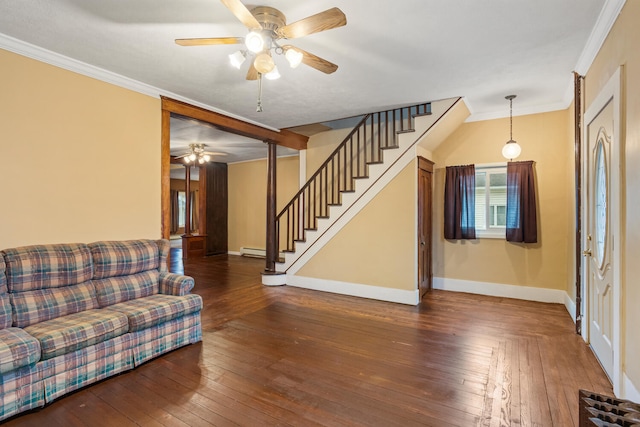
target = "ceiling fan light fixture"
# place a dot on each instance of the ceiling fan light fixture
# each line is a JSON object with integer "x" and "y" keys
{"x": 237, "y": 59}
{"x": 254, "y": 42}
{"x": 273, "y": 74}
{"x": 294, "y": 57}
{"x": 206, "y": 157}
{"x": 264, "y": 63}
{"x": 192, "y": 157}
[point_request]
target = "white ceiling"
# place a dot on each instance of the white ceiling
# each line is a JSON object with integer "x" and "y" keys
{"x": 390, "y": 53}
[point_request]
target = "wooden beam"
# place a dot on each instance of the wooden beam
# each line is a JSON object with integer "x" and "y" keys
{"x": 165, "y": 171}
{"x": 229, "y": 124}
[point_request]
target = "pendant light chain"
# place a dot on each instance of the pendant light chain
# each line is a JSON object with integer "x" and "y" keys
{"x": 511, "y": 119}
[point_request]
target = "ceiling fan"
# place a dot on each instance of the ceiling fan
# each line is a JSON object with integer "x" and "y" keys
{"x": 267, "y": 26}
{"x": 198, "y": 154}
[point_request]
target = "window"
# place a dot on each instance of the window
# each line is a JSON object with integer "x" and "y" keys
{"x": 182, "y": 202}
{"x": 491, "y": 201}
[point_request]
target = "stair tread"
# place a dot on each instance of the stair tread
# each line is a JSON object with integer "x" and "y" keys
{"x": 422, "y": 114}
{"x": 389, "y": 147}
{"x": 405, "y": 131}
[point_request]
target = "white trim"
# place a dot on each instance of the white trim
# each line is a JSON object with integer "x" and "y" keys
{"x": 402, "y": 296}
{"x": 630, "y": 390}
{"x": 611, "y": 92}
{"x": 528, "y": 293}
{"x": 277, "y": 279}
{"x": 570, "y": 305}
{"x": 234, "y": 253}
{"x": 599, "y": 33}
{"x": 61, "y": 61}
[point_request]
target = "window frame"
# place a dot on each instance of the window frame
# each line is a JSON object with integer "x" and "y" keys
{"x": 489, "y": 232}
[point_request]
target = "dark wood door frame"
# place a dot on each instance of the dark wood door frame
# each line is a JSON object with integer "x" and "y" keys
{"x": 425, "y": 218}
{"x": 229, "y": 124}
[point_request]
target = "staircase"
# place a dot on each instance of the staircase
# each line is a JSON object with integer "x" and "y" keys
{"x": 376, "y": 150}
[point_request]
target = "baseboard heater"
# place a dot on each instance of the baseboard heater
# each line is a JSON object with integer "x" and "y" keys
{"x": 256, "y": 253}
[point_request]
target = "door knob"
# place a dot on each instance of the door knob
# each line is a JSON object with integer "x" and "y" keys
{"x": 587, "y": 252}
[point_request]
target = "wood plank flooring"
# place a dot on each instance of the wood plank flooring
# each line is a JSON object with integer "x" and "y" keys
{"x": 287, "y": 356}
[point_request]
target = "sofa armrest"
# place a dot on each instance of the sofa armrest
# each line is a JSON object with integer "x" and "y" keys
{"x": 175, "y": 284}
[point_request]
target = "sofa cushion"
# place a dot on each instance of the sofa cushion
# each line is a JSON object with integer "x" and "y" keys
{"x": 33, "y": 307}
{"x": 47, "y": 266}
{"x": 112, "y": 259}
{"x": 5, "y": 306}
{"x": 79, "y": 330}
{"x": 17, "y": 349}
{"x": 124, "y": 288}
{"x": 156, "y": 309}
{"x": 5, "y": 311}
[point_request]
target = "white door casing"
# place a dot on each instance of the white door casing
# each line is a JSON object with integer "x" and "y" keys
{"x": 601, "y": 177}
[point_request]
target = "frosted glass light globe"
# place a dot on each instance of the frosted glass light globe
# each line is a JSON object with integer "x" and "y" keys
{"x": 264, "y": 63}
{"x": 511, "y": 150}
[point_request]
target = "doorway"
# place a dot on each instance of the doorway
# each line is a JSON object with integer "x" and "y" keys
{"x": 602, "y": 229}
{"x": 425, "y": 270}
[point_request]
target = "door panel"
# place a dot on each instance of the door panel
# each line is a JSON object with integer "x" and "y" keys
{"x": 425, "y": 272}
{"x": 599, "y": 265}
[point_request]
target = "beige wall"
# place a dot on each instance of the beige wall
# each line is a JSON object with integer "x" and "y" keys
{"x": 621, "y": 48}
{"x": 248, "y": 199}
{"x": 75, "y": 145}
{"x": 543, "y": 138}
{"x": 378, "y": 246}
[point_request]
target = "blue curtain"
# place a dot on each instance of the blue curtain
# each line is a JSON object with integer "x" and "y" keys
{"x": 521, "y": 203}
{"x": 460, "y": 202}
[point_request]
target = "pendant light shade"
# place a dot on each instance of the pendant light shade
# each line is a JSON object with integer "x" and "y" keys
{"x": 511, "y": 149}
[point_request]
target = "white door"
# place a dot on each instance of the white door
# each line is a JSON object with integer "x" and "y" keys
{"x": 599, "y": 261}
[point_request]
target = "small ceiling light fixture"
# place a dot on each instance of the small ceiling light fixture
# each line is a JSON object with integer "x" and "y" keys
{"x": 197, "y": 154}
{"x": 237, "y": 58}
{"x": 294, "y": 57}
{"x": 511, "y": 149}
{"x": 254, "y": 42}
{"x": 264, "y": 63}
{"x": 273, "y": 74}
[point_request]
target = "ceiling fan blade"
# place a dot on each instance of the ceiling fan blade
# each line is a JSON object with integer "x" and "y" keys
{"x": 330, "y": 18}
{"x": 181, "y": 156}
{"x": 242, "y": 13}
{"x": 314, "y": 61}
{"x": 214, "y": 153}
{"x": 210, "y": 41}
{"x": 252, "y": 74}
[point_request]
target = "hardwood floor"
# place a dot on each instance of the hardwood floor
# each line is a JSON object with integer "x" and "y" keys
{"x": 287, "y": 356}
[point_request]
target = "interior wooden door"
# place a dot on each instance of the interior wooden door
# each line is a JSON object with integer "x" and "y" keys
{"x": 600, "y": 263}
{"x": 425, "y": 270}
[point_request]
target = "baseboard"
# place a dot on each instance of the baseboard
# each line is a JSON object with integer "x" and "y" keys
{"x": 234, "y": 253}
{"x": 501, "y": 290}
{"x": 630, "y": 390}
{"x": 410, "y": 297}
{"x": 570, "y": 306}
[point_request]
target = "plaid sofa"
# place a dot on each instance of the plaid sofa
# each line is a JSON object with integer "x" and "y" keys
{"x": 73, "y": 314}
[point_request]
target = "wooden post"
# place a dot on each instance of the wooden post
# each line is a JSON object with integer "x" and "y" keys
{"x": 272, "y": 244}
{"x": 187, "y": 202}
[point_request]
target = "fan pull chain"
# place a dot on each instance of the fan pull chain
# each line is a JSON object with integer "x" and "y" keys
{"x": 259, "y": 107}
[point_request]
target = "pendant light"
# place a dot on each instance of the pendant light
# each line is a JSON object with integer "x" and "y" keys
{"x": 511, "y": 149}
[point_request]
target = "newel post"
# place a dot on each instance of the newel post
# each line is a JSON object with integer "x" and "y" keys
{"x": 271, "y": 209}
{"x": 271, "y": 277}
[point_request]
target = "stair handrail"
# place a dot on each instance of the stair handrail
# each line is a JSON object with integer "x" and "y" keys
{"x": 326, "y": 162}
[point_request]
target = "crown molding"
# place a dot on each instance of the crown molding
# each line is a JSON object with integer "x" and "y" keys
{"x": 29, "y": 50}
{"x": 599, "y": 33}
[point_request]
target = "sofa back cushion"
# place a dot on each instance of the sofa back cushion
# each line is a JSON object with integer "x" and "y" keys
{"x": 122, "y": 258}
{"x": 5, "y": 306}
{"x": 49, "y": 281}
{"x": 125, "y": 270}
{"x": 124, "y": 288}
